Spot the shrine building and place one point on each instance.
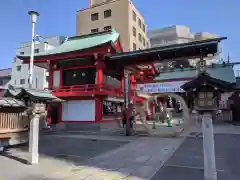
(87, 72)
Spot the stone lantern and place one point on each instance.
(205, 91)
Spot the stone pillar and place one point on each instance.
(34, 132)
(210, 172)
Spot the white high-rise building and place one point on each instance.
(20, 71)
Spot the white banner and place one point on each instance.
(174, 86)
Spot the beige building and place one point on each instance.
(121, 15)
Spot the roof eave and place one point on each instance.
(63, 53)
(168, 48)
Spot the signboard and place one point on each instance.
(174, 86)
(111, 107)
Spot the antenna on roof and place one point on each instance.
(228, 59)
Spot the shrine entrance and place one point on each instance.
(131, 62)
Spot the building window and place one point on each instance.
(134, 32)
(22, 81)
(139, 37)
(94, 30)
(144, 27)
(107, 13)
(134, 16)
(140, 23)
(94, 17)
(134, 46)
(47, 77)
(107, 28)
(15, 82)
(21, 53)
(36, 50)
(144, 41)
(1, 81)
(19, 68)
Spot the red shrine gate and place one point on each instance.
(88, 73)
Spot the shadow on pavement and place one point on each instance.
(58, 154)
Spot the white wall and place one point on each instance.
(39, 74)
(79, 110)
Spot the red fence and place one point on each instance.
(86, 89)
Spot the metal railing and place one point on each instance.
(89, 88)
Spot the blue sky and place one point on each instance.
(58, 17)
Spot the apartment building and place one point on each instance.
(20, 71)
(121, 15)
(179, 34)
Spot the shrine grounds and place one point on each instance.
(102, 157)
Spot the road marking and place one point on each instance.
(190, 167)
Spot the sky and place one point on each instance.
(58, 17)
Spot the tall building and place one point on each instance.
(179, 34)
(121, 15)
(20, 71)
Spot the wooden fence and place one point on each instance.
(13, 122)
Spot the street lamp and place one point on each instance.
(34, 16)
(34, 123)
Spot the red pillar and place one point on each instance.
(122, 82)
(132, 87)
(99, 76)
(98, 100)
(50, 77)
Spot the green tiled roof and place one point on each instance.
(81, 43)
(10, 102)
(34, 93)
(224, 73)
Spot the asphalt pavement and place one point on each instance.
(187, 161)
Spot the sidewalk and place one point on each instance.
(138, 160)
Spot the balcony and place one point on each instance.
(86, 90)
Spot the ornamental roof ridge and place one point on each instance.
(91, 35)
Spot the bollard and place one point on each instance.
(154, 125)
